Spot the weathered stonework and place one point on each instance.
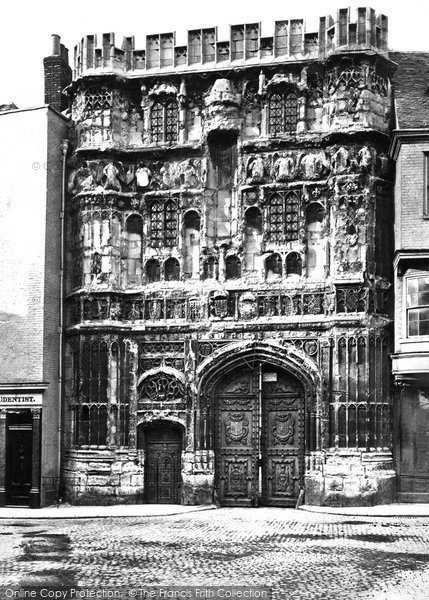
(227, 277)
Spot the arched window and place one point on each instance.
(293, 265)
(153, 271)
(283, 113)
(211, 268)
(164, 119)
(172, 269)
(233, 267)
(134, 232)
(192, 244)
(273, 267)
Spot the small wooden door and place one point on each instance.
(163, 465)
(19, 458)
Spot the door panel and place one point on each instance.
(283, 435)
(19, 455)
(236, 433)
(277, 416)
(163, 466)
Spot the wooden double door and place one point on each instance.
(260, 438)
(163, 464)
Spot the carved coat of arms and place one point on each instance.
(237, 428)
(283, 429)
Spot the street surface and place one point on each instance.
(299, 555)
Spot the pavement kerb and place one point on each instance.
(381, 510)
(98, 512)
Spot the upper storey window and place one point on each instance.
(283, 113)
(283, 216)
(164, 122)
(426, 184)
(163, 223)
(417, 306)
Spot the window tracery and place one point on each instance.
(283, 216)
(164, 119)
(162, 388)
(163, 223)
(282, 113)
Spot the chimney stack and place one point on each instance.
(58, 75)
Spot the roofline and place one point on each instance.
(406, 136)
(33, 108)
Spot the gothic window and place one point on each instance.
(291, 217)
(91, 414)
(172, 269)
(282, 113)
(153, 270)
(233, 267)
(163, 223)
(211, 268)
(134, 233)
(293, 265)
(283, 217)
(273, 267)
(359, 408)
(164, 121)
(276, 210)
(161, 388)
(170, 223)
(237, 43)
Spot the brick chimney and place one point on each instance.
(58, 75)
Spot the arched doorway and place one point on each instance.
(259, 437)
(163, 444)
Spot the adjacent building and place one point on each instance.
(410, 150)
(32, 162)
(229, 217)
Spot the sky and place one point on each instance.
(27, 27)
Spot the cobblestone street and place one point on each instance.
(298, 554)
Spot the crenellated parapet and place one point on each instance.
(248, 44)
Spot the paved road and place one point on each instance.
(299, 555)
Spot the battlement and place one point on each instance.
(352, 30)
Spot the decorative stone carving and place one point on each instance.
(284, 167)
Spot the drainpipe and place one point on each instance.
(64, 148)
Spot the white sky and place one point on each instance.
(27, 27)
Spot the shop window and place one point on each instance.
(417, 305)
(233, 267)
(164, 121)
(282, 113)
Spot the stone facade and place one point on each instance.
(228, 283)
